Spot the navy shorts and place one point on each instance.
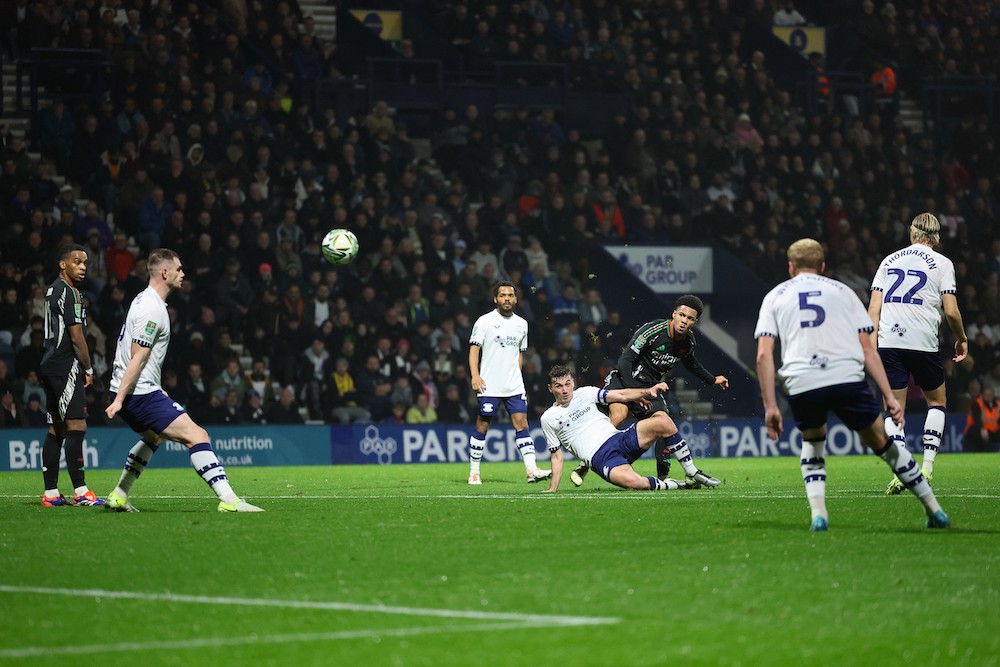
(65, 397)
(658, 404)
(927, 368)
(620, 449)
(154, 411)
(516, 405)
(853, 403)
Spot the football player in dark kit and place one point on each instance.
(647, 359)
(66, 372)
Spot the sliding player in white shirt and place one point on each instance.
(826, 347)
(575, 422)
(137, 395)
(909, 290)
(502, 336)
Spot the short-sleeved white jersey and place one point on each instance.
(912, 281)
(147, 324)
(818, 320)
(502, 340)
(578, 426)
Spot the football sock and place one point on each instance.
(204, 460)
(933, 430)
(526, 446)
(662, 454)
(477, 443)
(908, 472)
(74, 457)
(656, 484)
(892, 430)
(676, 446)
(814, 475)
(136, 461)
(51, 450)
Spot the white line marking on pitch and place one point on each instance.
(548, 619)
(610, 494)
(216, 642)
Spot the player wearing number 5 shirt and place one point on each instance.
(908, 292)
(826, 347)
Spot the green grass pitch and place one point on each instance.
(408, 565)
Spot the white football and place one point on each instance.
(340, 246)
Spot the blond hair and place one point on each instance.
(806, 254)
(925, 228)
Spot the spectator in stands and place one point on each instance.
(421, 412)
(284, 410)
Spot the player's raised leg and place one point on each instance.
(206, 463)
(901, 462)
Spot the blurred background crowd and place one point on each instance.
(205, 143)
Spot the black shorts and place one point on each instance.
(853, 403)
(658, 404)
(64, 396)
(927, 368)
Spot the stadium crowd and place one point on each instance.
(206, 144)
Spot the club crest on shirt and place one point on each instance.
(150, 327)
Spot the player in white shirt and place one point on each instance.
(575, 422)
(136, 393)
(908, 292)
(501, 336)
(826, 347)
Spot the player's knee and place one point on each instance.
(665, 426)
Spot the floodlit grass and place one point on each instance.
(408, 565)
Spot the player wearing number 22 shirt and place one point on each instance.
(909, 291)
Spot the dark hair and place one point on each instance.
(64, 252)
(559, 371)
(691, 301)
(503, 283)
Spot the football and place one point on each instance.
(340, 246)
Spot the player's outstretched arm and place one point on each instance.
(557, 468)
(635, 394)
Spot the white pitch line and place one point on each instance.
(217, 642)
(610, 494)
(549, 619)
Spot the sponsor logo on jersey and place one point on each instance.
(150, 327)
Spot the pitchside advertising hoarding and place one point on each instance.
(380, 444)
(666, 269)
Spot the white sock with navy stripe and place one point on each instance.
(526, 446)
(679, 449)
(477, 443)
(933, 430)
(908, 472)
(204, 460)
(814, 475)
(136, 461)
